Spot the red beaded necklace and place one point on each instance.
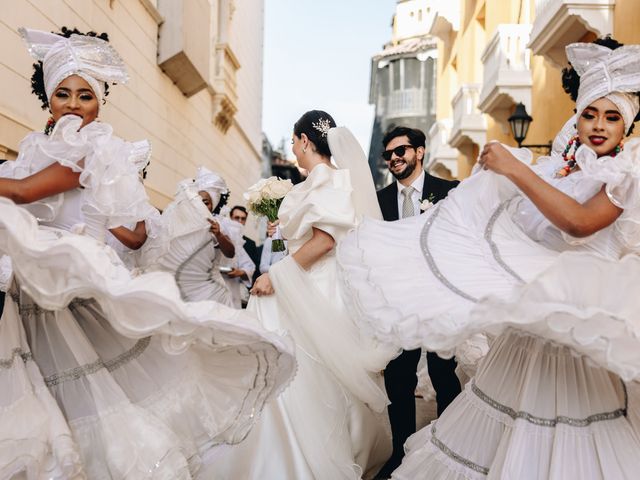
(569, 155)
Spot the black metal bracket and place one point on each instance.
(545, 146)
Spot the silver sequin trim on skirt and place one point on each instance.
(488, 234)
(550, 422)
(111, 365)
(16, 352)
(424, 245)
(453, 455)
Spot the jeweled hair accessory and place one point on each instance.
(91, 58)
(613, 74)
(323, 126)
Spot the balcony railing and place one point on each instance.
(561, 22)
(469, 124)
(507, 73)
(402, 103)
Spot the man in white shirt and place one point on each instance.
(240, 278)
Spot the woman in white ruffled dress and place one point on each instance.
(197, 241)
(327, 424)
(536, 257)
(104, 375)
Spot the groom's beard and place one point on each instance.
(408, 170)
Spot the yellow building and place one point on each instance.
(494, 54)
(195, 88)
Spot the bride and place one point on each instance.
(538, 257)
(103, 375)
(327, 424)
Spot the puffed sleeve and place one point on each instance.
(621, 177)
(322, 201)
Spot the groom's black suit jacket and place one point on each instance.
(434, 188)
(400, 375)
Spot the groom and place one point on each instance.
(404, 150)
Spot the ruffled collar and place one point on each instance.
(607, 169)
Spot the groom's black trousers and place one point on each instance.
(400, 381)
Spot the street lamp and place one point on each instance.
(519, 122)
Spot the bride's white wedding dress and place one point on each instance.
(319, 427)
(548, 401)
(103, 375)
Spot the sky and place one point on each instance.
(317, 55)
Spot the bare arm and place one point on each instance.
(226, 245)
(49, 181)
(134, 239)
(572, 217)
(314, 249)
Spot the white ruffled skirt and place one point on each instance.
(106, 376)
(478, 272)
(548, 401)
(536, 410)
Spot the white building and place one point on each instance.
(403, 80)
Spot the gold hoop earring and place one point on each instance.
(304, 149)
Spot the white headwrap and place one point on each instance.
(212, 183)
(606, 73)
(91, 58)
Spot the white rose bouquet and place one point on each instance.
(264, 199)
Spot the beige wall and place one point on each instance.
(180, 129)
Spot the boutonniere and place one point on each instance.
(427, 203)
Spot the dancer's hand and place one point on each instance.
(498, 159)
(226, 246)
(237, 273)
(215, 227)
(262, 286)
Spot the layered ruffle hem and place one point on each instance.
(535, 411)
(107, 376)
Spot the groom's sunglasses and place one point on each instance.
(399, 151)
